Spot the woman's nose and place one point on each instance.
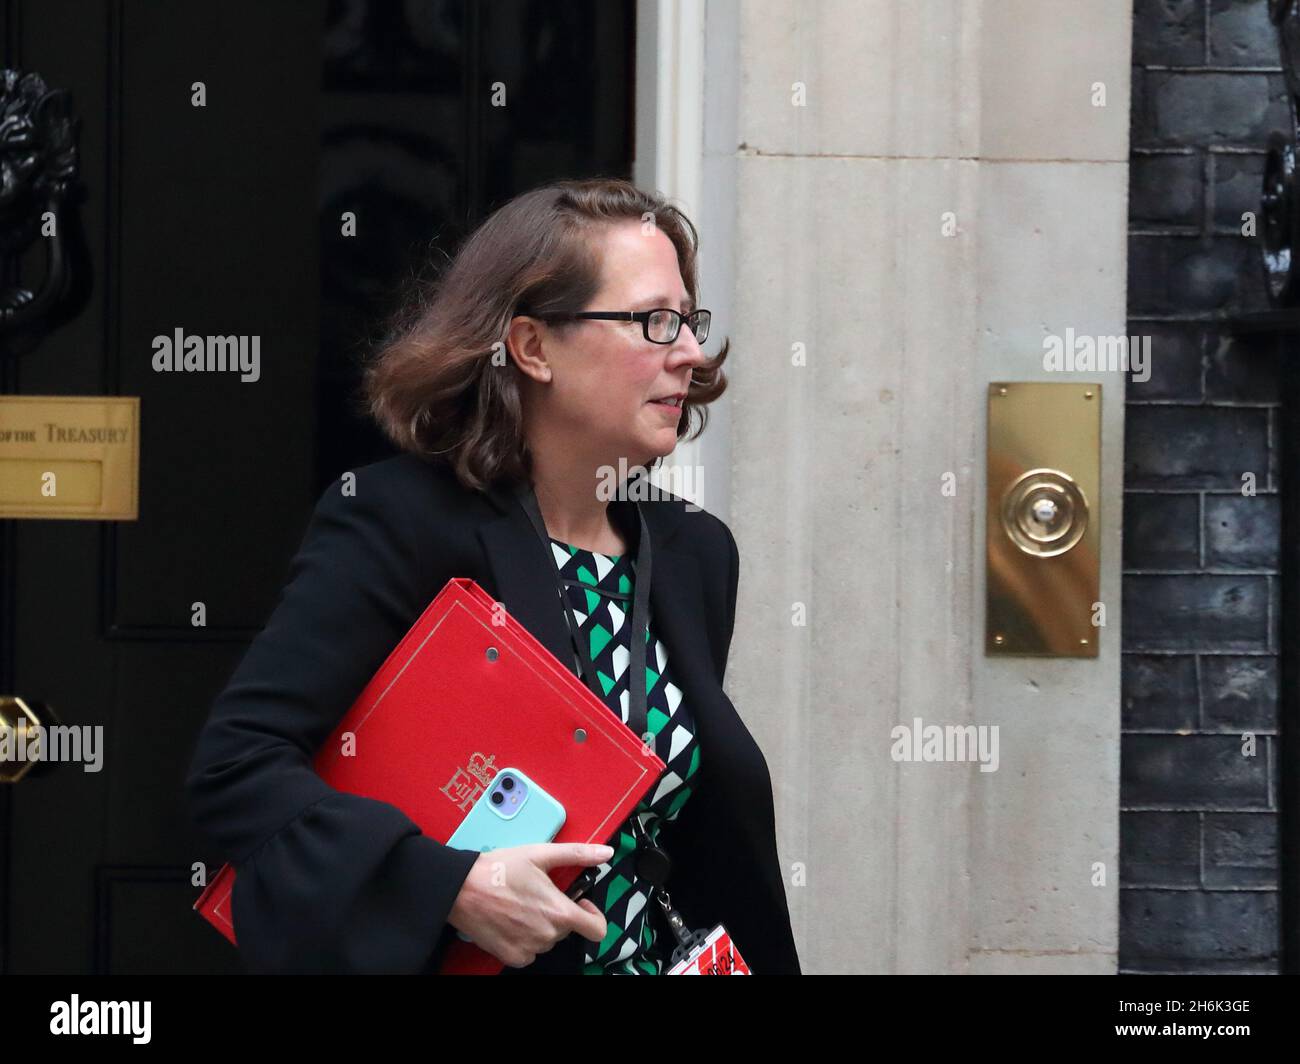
(686, 349)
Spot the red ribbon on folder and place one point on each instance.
(466, 692)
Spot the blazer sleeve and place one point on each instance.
(325, 881)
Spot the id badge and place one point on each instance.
(716, 955)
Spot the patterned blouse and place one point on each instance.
(600, 591)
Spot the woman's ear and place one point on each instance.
(524, 342)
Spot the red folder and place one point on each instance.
(469, 691)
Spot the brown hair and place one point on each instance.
(432, 386)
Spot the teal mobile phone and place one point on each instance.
(514, 811)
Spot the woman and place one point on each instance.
(490, 385)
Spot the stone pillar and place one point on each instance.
(921, 194)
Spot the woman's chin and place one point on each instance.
(651, 447)
(661, 451)
(665, 443)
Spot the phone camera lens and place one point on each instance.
(508, 783)
(497, 798)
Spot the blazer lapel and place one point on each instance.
(524, 572)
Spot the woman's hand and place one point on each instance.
(510, 908)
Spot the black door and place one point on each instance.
(266, 169)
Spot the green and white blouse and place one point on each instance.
(600, 589)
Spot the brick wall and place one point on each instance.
(1198, 821)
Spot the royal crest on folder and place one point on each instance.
(467, 784)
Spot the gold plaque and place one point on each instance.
(1042, 520)
(70, 456)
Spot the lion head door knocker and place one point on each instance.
(38, 175)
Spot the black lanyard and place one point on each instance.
(639, 618)
(653, 863)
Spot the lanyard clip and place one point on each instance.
(687, 941)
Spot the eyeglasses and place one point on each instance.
(659, 326)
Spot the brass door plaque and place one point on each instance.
(70, 457)
(1043, 578)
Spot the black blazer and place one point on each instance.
(333, 882)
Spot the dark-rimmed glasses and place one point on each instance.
(659, 326)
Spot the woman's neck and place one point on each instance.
(572, 510)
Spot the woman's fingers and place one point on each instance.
(548, 855)
(589, 921)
